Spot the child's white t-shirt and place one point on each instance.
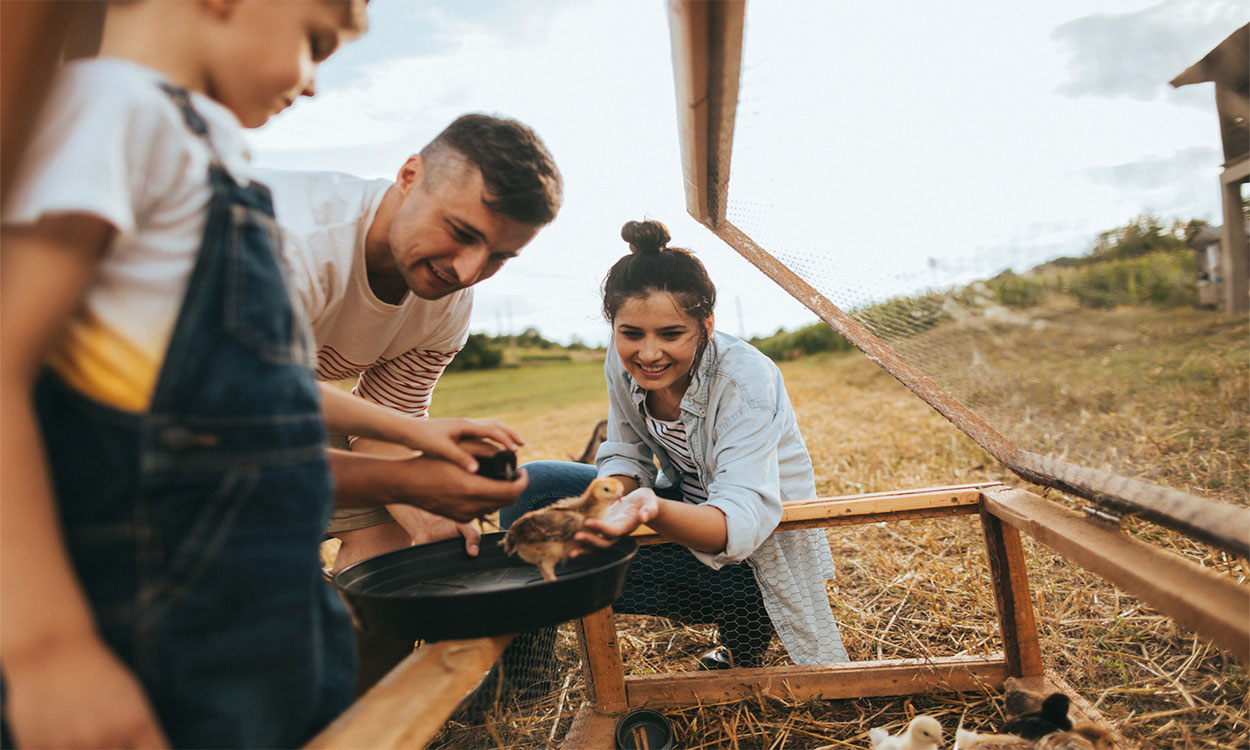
(111, 144)
(398, 351)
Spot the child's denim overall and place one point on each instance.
(194, 527)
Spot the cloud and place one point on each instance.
(1134, 55)
(1182, 185)
(1156, 172)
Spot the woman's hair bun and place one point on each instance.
(645, 236)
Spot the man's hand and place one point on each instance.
(452, 439)
(423, 526)
(78, 694)
(438, 486)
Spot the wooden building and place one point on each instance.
(1228, 67)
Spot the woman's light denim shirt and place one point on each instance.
(745, 442)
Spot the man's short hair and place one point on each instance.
(519, 174)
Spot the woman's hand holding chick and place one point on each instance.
(621, 518)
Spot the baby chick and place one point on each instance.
(966, 740)
(1019, 700)
(922, 733)
(1052, 717)
(1081, 737)
(544, 537)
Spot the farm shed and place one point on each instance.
(1228, 67)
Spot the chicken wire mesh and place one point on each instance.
(1109, 368)
(692, 616)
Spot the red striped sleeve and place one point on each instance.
(406, 382)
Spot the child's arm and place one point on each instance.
(64, 687)
(350, 415)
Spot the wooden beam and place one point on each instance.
(725, 19)
(1238, 171)
(1202, 600)
(688, 31)
(825, 681)
(706, 37)
(591, 729)
(409, 706)
(845, 510)
(1011, 595)
(601, 652)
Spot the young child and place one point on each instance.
(713, 410)
(166, 481)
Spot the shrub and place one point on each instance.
(477, 354)
(811, 339)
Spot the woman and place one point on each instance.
(713, 411)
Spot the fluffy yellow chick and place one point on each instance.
(544, 537)
(923, 733)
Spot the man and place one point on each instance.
(385, 271)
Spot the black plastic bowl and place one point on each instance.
(644, 729)
(437, 592)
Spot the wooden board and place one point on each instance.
(409, 706)
(902, 505)
(951, 674)
(1202, 600)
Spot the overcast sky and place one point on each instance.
(892, 146)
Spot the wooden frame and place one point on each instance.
(1212, 605)
(1021, 655)
(409, 706)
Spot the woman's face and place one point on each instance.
(657, 342)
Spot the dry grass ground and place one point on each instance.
(921, 588)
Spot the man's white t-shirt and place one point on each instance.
(111, 144)
(398, 351)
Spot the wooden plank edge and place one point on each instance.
(955, 674)
(688, 33)
(1206, 602)
(590, 729)
(408, 707)
(878, 506)
(828, 523)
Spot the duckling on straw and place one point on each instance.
(923, 733)
(1053, 717)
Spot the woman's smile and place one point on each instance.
(658, 343)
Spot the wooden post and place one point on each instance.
(605, 672)
(1011, 594)
(1234, 249)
